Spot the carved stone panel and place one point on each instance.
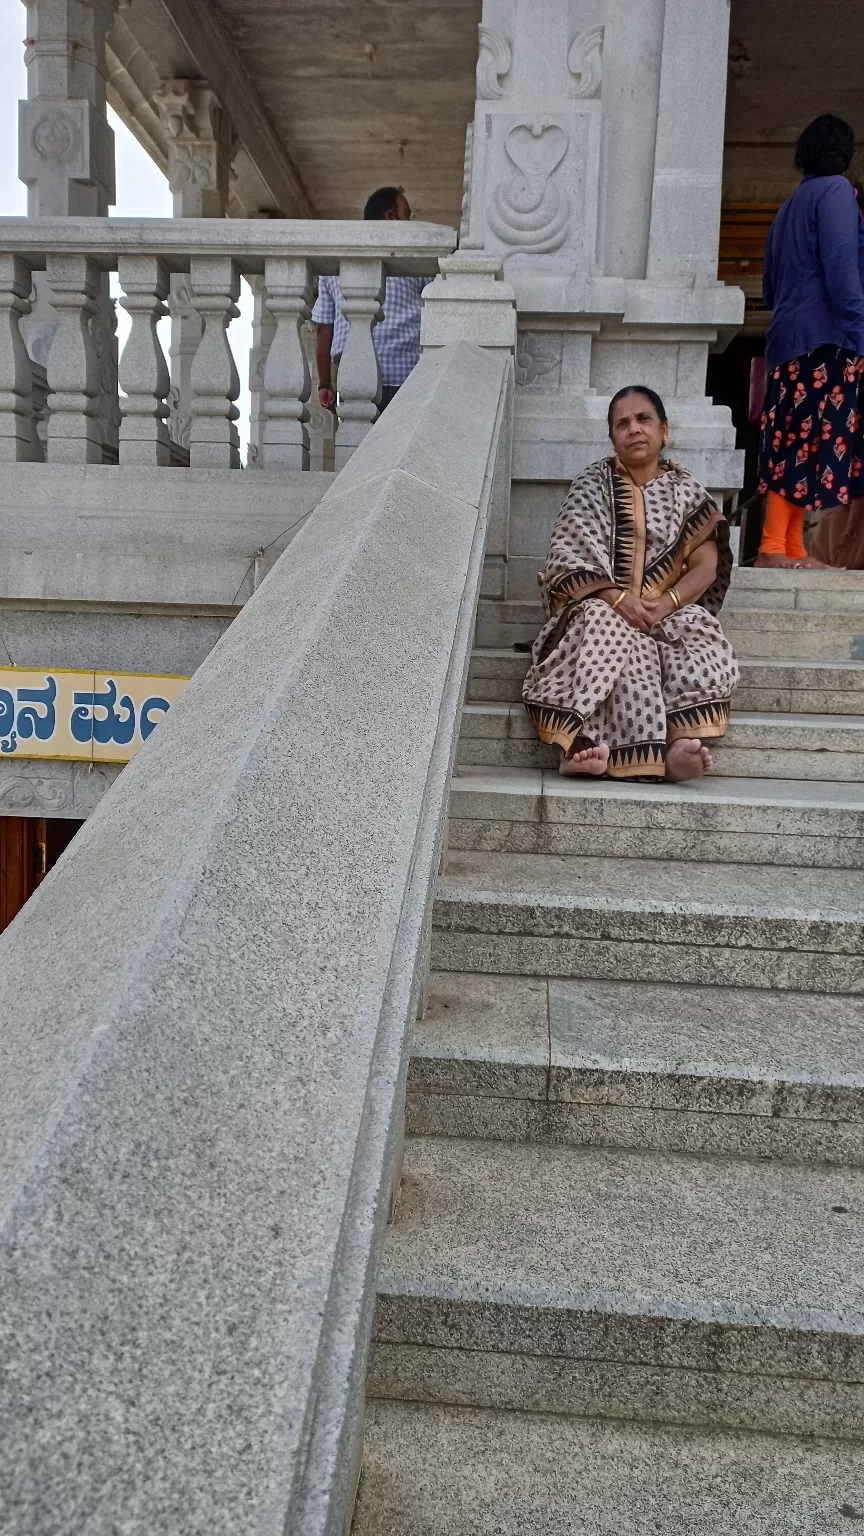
(538, 360)
(46, 792)
(530, 208)
(540, 185)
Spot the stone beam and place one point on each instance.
(206, 1018)
(204, 35)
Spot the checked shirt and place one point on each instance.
(396, 337)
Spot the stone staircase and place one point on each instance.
(624, 1287)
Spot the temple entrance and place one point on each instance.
(29, 847)
(775, 88)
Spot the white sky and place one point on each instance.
(142, 190)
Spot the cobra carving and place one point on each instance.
(585, 61)
(494, 60)
(528, 210)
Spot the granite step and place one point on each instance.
(624, 919)
(430, 1470)
(804, 591)
(732, 1073)
(783, 686)
(761, 632)
(754, 631)
(603, 1282)
(762, 746)
(716, 819)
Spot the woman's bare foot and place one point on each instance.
(687, 759)
(810, 564)
(777, 563)
(594, 761)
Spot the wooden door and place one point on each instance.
(22, 862)
(29, 847)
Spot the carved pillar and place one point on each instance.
(533, 179)
(66, 160)
(143, 369)
(201, 145)
(73, 371)
(213, 439)
(688, 160)
(17, 423)
(288, 289)
(362, 285)
(592, 171)
(65, 146)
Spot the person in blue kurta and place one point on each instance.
(812, 445)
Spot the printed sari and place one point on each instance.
(594, 678)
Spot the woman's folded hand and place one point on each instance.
(634, 612)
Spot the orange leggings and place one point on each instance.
(783, 533)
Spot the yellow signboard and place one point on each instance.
(96, 717)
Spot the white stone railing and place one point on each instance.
(206, 1015)
(282, 257)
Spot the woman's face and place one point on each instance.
(638, 434)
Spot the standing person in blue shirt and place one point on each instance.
(396, 337)
(812, 448)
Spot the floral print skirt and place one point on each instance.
(812, 447)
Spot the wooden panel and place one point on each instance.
(743, 231)
(21, 847)
(29, 847)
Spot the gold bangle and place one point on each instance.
(619, 599)
(675, 598)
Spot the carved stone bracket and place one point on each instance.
(585, 62)
(494, 60)
(201, 145)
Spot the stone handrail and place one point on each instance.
(152, 258)
(205, 1017)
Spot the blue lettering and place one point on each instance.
(148, 724)
(85, 726)
(8, 739)
(30, 722)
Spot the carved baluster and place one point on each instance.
(286, 372)
(40, 412)
(213, 439)
(186, 329)
(362, 284)
(263, 331)
(322, 423)
(143, 369)
(17, 426)
(73, 366)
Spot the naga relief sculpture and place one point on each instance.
(528, 210)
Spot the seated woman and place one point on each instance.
(632, 670)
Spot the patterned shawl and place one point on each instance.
(600, 538)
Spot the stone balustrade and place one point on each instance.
(282, 257)
(206, 1014)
